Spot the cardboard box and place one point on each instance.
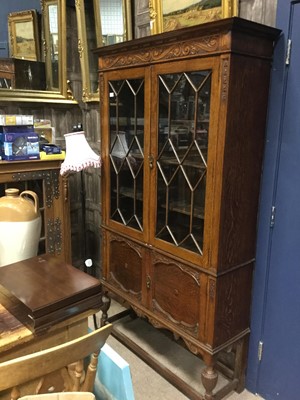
(20, 146)
(42, 123)
(46, 133)
(14, 124)
(16, 119)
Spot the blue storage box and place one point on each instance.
(20, 146)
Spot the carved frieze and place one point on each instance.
(191, 48)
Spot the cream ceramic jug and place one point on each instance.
(20, 226)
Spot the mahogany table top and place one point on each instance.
(12, 331)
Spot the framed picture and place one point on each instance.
(168, 15)
(24, 35)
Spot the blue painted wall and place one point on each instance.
(270, 171)
(6, 8)
(276, 301)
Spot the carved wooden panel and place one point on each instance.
(175, 288)
(125, 265)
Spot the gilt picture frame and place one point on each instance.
(23, 33)
(168, 15)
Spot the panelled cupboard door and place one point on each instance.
(124, 266)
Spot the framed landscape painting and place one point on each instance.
(168, 15)
(24, 35)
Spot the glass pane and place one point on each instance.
(184, 106)
(112, 21)
(127, 151)
(53, 45)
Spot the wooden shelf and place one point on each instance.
(191, 163)
(182, 208)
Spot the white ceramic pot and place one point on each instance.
(20, 226)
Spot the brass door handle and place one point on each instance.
(148, 282)
(151, 161)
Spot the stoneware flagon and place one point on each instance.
(20, 226)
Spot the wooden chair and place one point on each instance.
(67, 358)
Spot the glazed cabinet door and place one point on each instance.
(183, 141)
(125, 146)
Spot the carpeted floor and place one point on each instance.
(148, 384)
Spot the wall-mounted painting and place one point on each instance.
(24, 35)
(167, 15)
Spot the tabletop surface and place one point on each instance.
(12, 331)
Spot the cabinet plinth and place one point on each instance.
(182, 121)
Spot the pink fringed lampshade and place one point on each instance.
(79, 154)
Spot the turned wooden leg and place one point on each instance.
(15, 393)
(104, 308)
(209, 377)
